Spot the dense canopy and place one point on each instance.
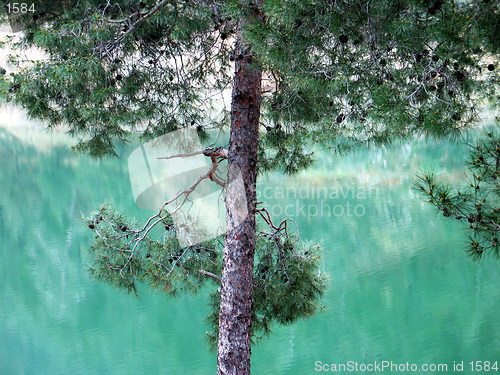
(338, 72)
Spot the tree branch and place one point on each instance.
(107, 48)
(182, 155)
(212, 175)
(203, 272)
(213, 153)
(219, 152)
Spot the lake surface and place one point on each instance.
(401, 287)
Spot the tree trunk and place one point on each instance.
(237, 284)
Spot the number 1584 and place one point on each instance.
(20, 8)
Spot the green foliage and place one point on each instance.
(4, 85)
(477, 204)
(281, 150)
(349, 73)
(288, 284)
(338, 73)
(109, 75)
(287, 279)
(126, 254)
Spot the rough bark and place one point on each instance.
(237, 286)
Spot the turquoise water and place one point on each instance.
(401, 288)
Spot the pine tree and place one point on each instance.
(339, 73)
(478, 204)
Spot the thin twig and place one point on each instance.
(203, 272)
(186, 155)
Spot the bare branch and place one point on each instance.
(219, 152)
(203, 272)
(264, 213)
(212, 175)
(140, 234)
(182, 155)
